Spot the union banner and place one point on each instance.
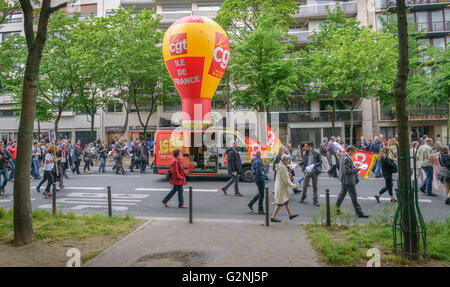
(365, 161)
(273, 142)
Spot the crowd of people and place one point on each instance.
(58, 159)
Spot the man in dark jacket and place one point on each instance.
(76, 158)
(312, 167)
(63, 157)
(260, 177)
(5, 158)
(348, 175)
(362, 144)
(332, 157)
(143, 156)
(234, 169)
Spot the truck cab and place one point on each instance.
(203, 150)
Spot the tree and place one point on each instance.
(134, 64)
(23, 227)
(262, 66)
(409, 224)
(237, 16)
(7, 7)
(60, 71)
(350, 62)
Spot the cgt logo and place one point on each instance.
(221, 56)
(178, 44)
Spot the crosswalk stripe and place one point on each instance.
(168, 189)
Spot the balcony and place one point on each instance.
(390, 5)
(302, 36)
(206, 13)
(319, 116)
(417, 114)
(140, 4)
(319, 11)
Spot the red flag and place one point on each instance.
(365, 161)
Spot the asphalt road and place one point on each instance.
(141, 195)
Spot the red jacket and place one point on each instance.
(178, 176)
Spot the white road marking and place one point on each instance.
(169, 189)
(104, 195)
(373, 198)
(78, 207)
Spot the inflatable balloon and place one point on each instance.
(196, 52)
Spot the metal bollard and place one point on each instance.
(327, 194)
(190, 204)
(267, 205)
(54, 199)
(109, 202)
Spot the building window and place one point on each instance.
(4, 35)
(422, 21)
(439, 42)
(114, 108)
(209, 6)
(176, 8)
(437, 18)
(8, 113)
(172, 107)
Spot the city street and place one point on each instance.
(141, 194)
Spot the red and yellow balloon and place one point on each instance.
(196, 51)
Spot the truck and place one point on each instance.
(203, 150)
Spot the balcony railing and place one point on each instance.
(417, 114)
(319, 10)
(302, 36)
(439, 26)
(319, 116)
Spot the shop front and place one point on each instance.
(112, 133)
(137, 132)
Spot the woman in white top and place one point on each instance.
(49, 164)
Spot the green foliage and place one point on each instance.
(346, 245)
(240, 16)
(262, 65)
(349, 61)
(68, 226)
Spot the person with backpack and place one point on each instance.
(143, 157)
(388, 167)
(177, 180)
(260, 178)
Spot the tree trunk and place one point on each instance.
(39, 130)
(351, 125)
(333, 117)
(92, 126)
(58, 118)
(410, 246)
(23, 225)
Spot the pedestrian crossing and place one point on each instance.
(95, 200)
(371, 198)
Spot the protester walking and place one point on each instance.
(376, 148)
(35, 162)
(102, 151)
(332, 157)
(444, 172)
(63, 160)
(12, 164)
(282, 188)
(260, 178)
(5, 159)
(234, 169)
(143, 157)
(362, 144)
(87, 158)
(49, 165)
(312, 167)
(134, 155)
(388, 168)
(324, 154)
(425, 155)
(177, 180)
(348, 175)
(76, 158)
(119, 150)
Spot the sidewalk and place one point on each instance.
(174, 242)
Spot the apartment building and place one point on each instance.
(299, 121)
(432, 17)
